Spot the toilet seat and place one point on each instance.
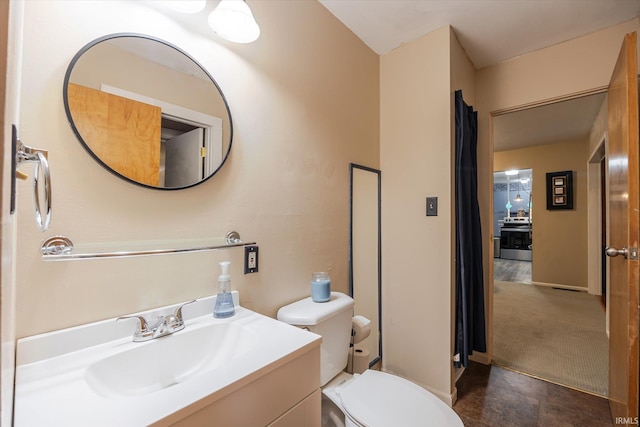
(376, 398)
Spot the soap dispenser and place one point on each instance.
(224, 301)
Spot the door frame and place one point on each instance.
(594, 212)
(11, 27)
(488, 265)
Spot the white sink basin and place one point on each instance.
(172, 359)
(96, 375)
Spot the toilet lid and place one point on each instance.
(379, 399)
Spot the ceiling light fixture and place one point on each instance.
(232, 20)
(518, 197)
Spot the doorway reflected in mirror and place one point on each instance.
(147, 111)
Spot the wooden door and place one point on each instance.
(124, 134)
(623, 207)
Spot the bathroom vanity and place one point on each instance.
(214, 371)
(256, 403)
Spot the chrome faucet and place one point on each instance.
(164, 325)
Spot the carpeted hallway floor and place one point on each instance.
(552, 334)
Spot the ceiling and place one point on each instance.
(558, 122)
(525, 176)
(492, 31)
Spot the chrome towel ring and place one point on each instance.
(25, 153)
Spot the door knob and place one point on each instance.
(613, 252)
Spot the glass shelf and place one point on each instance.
(60, 248)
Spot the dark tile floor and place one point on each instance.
(489, 396)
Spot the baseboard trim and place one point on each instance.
(480, 358)
(556, 285)
(448, 398)
(454, 396)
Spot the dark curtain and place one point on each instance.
(470, 323)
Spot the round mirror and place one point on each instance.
(147, 111)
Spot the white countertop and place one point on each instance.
(51, 389)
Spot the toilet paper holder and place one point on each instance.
(360, 329)
(358, 360)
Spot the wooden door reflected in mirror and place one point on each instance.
(134, 102)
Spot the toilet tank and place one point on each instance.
(331, 320)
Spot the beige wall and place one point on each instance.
(577, 66)
(559, 237)
(599, 127)
(113, 66)
(417, 82)
(307, 99)
(304, 100)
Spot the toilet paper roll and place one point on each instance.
(360, 360)
(361, 328)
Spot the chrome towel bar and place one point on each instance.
(60, 248)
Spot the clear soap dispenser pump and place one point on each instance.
(224, 301)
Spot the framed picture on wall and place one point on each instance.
(560, 190)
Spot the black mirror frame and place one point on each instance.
(65, 84)
(377, 172)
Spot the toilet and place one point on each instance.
(373, 398)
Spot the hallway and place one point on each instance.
(508, 270)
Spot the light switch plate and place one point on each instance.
(432, 206)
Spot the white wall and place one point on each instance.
(304, 100)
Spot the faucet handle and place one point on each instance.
(141, 326)
(178, 312)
